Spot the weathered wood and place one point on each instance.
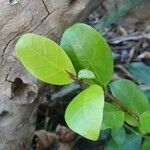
(20, 92)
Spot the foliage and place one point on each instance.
(44, 59)
(127, 92)
(86, 109)
(87, 51)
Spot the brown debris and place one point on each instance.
(45, 139)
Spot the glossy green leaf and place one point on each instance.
(86, 74)
(85, 112)
(146, 144)
(145, 122)
(132, 142)
(140, 71)
(44, 59)
(130, 95)
(111, 116)
(119, 136)
(88, 49)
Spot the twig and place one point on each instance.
(128, 38)
(132, 51)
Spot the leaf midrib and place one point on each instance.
(90, 63)
(48, 62)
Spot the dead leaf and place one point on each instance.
(64, 146)
(121, 31)
(45, 139)
(65, 134)
(145, 55)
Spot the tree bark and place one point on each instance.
(20, 93)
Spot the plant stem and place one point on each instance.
(111, 97)
(122, 106)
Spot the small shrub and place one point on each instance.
(84, 56)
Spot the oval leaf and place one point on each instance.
(88, 49)
(44, 59)
(85, 112)
(86, 74)
(130, 95)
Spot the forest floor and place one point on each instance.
(131, 51)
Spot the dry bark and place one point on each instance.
(20, 92)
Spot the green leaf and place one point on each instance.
(111, 116)
(131, 121)
(130, 95)
(146, 144)
(86, 74)
(88, 49)
(147, 93)
(119, 136)
(140, 71)
(44, 59)
(85, 112)
(145, 122)
(112, 145)
(132, 142)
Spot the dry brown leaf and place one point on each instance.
(65, 134)
(45, 139)
(121, 31)
(64, 146)
(145, 55)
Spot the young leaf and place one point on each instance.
(88, 49)
(145, 122)
(44, 59)
(85, 112)
(86, 74)
(130, 95)
(113, 117)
